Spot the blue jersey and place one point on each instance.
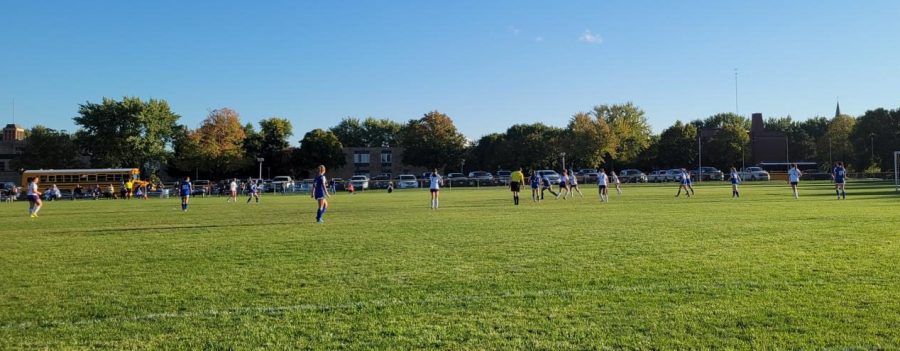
(535, 182)
(546, 181)
(735, 178)
(319, 187)
(839, 174)
(185, 188)
(253, 188)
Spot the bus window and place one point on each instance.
(91, 178)
(101, 177)
(43, 179)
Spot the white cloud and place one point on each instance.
(539, 39)
(514, 30)
(590, 38)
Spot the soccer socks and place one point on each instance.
(844, 194)
(319, 214)
(838, 193)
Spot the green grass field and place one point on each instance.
(645, 271)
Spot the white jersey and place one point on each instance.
(602, 179)
(435, 181)
(794, 175)
(615, 178)
(233, 186)
(573, 180)
(32, 188)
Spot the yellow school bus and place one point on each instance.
(66, 179)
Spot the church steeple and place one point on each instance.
(837, 111)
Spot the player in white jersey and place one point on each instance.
(233, 188)
(735, 180)
(564, 186)
(602, 184)
(573, 184)
(435, 181)
(684, 183)
(794, 175)
(615, 180)
(34, 197)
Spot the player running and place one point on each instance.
(564, 185)
(573, 184)
(735, 180)
(233, 186)
(516, 179)
(794, 175)
(34, 197)
(320, 193)
(548, 186)
(253, 192)
(684, 183)
(185, 188)
(839, 174)
(435, 182)
(614, 178)
(602, 184)
(535, 187)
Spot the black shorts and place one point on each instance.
(602, 187)
(795, 183)
(435, 190)
(515, 186)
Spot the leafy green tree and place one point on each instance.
(127, 133)
(533, 145)
(381, 132)
(47, 148)
(350, 132)
(720, 120)
(319, 147)
(432, 141)
(274, 145)
(678, 146)
(875, 137)
(630, 131)
(730, 146)
(589, 140)
(837, 136)
(489, 152)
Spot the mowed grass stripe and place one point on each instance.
(645, 271)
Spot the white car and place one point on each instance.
(283, 182)
(550, 174)
(407, 181)
(754, 173)
(360, 182)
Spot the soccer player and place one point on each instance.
(232, 186)
(320, 193)
(573, 184)
(690, 183)
(602, 183)
(186, 188)
(254, 191)
(564, 185)
(735, 180)
(535, 186)
(684, 183)
(547, 185)
(435, 181)
(34, 197)
(794, 175)
(839, 174)
(615, 180)
(516, 179)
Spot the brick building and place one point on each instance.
(13, 139)
(374, 161)
(766, 145)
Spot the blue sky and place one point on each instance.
(488, 64)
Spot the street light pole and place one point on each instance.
(699, 159)
(872, 148)
(260, 160)
(787, 150)
(563, 155)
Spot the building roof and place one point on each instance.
(11, 125)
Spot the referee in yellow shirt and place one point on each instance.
(516, 179)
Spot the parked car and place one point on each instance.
(283, 182)
(754, 173)
(503, 176)
(657, 176)
(632, 176)
(708, 173)
(550, 174)
(201, 187)
(407, 181)
(481, 177)
(673, 175)
(360, 182)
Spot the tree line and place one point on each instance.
(146, 134)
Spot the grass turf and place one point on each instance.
(644, 271)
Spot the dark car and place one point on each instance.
(632, 176)
(708, 173)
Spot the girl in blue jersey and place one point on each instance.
(735, 180)
(602, 185)
(34, 197)
(548, 186)
(794, 175)
(435, 181)
(253, 192)
(839, 174)
(320, 193)
(185, 188)
(564, 186)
